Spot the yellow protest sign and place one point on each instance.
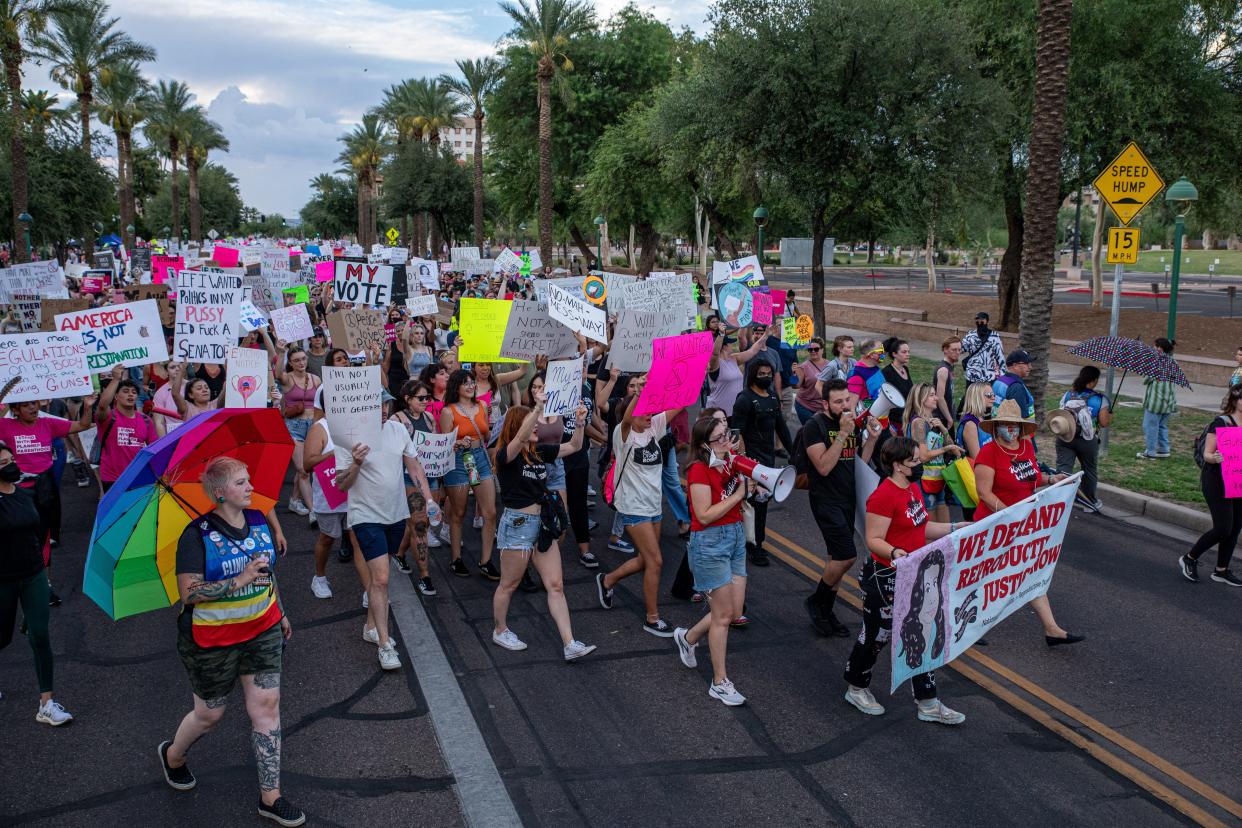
(482, 330)
(805, 328)
(1123, 245)
(1129, 183)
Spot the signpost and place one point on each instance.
(1127, 185)
(392, 235)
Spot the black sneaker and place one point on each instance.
(527, 584)
(425, 587)
(53, 600)
(282, 812)
(1190, 568)
(605, 595)
(1226, 577)
(458, 568)
(345, 555)
(489, 571)
(402, 565)
(838, 629)
(589, 560)
(179, 778)
(659, 628)
(818, 620)
(84, 478)
(759, 557)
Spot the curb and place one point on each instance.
(1148, 506)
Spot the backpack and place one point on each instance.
(1082, 414)
(1000, 387)
(1201, 440)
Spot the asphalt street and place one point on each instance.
(1135, 726)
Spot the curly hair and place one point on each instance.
(913, 643)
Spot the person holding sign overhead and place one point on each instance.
(1226, 511)
(297, 387)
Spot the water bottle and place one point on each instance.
(433, 513)
(472, 471)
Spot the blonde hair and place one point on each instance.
(914, 403)
(218, 473)
(975, 403)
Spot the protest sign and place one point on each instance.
(257, 290)
(563, 385)
(462, 255)
(435, 452)
(29, 311)
(955, 589)
(1229, 444)
(678, 366)
(140, 260)
(426, 272)
(400, 285)
(160, 294)
(533, 259)
(246, 386)
(324, 271)
(208, 312)
(226, 256)
(422, 305)
(531, 333)
(735, 303)
(51, 365)
(351, 404)
(50, 308)
(482, 327)
(789, 331)
(398, 255)
(676, 291)
(507, 262)
(577, 315)
(252, 319)
(292, 323)
(356, 329)
(44, 278)
(778, 301)
(104, 260)
(128, 334)
(298, 294)
(761, 309)
(93, 282)
(161, 264)
(745, 269)
(364, 284)
(325, 473)
(277, 259)
(445, 268)
(633, 334)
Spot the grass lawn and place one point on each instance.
(1193, 261)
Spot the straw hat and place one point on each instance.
(1008, 414)
(1062, 423)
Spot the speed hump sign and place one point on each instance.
(1123, 245)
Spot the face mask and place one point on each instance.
(763, 382)
(10, 473)
(717, 462)
(1008, 433)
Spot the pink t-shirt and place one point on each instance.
(32, 444)
(126, 438)
(165, 407)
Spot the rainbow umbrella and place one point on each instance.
(131, 565)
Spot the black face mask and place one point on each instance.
(10, 473)
(763, 382)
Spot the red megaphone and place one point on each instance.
(779, 482)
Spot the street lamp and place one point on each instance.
(761, 219)
(600, 221)
(522, 227)
(1182, 194)
(26, 219)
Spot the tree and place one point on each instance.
(168, 117)
(476, 82)
(426, 178)
(332, 210)
(437, 109)
(364, 151)
(81, 48)
(219, 198)
(548, 29)
(121, 106)
(202, 137)
(40, 110)
(1043, 186)
(400, 110)
(20, 20)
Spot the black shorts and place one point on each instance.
(836, 524)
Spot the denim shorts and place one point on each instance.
(517, 530)
(631, 520)
(556, 475)
(459, 477)
(298, 427)
(433, 483)
(717, 554)
(933, 499)
(376, 539)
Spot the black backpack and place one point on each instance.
(1201, 440)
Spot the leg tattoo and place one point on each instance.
(267, 681)
(420, 549)
(215, 704)
(267, 758)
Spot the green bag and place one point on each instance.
(962, 489)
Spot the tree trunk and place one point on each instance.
(405, 233)
(1097, 273)
(584, 246)
(649, 238)
(125, 205)
(931, 258)
(363, 191)
(633, 253)
(173, 151)
(478, 179)
(196, 212)
(707, 227)
(1043, 186)
(819, 232)
(84, 112)
(1011, 261)
(12, 51)
(545, 157)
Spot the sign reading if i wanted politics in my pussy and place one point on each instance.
(208, 316)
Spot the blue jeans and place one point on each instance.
(673, 492)
(1156, 430)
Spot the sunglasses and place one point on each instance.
(812, 350)
(421, 397)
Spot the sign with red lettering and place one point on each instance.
(362, 284)
(208, 319)
(50, 365)
(952, 591)
(128, 334)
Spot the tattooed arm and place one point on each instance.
(195, 589)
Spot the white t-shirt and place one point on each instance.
(638, 484)
(378, 494)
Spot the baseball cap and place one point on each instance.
(1018, 356)
(982, 315)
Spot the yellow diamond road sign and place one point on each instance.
(392, 235)
(1129, 183)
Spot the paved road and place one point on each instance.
(628, 736)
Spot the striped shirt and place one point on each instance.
(1160, 398)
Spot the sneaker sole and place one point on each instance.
(938, 720)
(590, 649)
(39, 717)
(589, 564)
(728, 702)
(1186, 573)
(686, 653)
(1223, 581)
(180, 786)
(604, 602)
(621, 549)
(288, 823)
(876, 711)
(396, 666)
(657, 633)
(516, 649)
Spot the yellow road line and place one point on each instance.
(1156, 788)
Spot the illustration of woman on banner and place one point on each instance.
(925, 619)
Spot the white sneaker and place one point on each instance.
(591, 491)
(320, 586)
(371, 635)
(861, 698)
(936, 711)
(684, 648)
(312, 520)
(388, 659)
(298, 508)
(50, 712)
(366, 601)
(433, 540)
(576, 649)
(478, 522)
(727, 693)
(445, 534)
(509, 640)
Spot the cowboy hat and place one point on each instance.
(1062, 423)
(1008, 414)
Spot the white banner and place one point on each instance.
(292, 323)
(633, 334)
(363, 284)
(129, 334)
(246, 383)
(563, 386)
(577, 315)
(208, 314)
(51, 365)
(435, 452)
(426, 272)
(36, 278)
(422, 305)
(351, 402)
(670, 293)
(251, 317)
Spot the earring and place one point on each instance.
(219, 500)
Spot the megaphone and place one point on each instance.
(885, 401)
(779, 482)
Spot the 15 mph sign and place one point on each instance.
(1129, 183)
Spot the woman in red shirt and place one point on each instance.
(1007, 472)
(717, 550)
(897, 524)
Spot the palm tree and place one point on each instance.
(19, 20)
(81, 49)
(548, 29)
(40, 110)
(438, 109)
(364, 151)
(203, 137)
(400, 111)
(1043, 187)
(168, 116)
(120, 105)
(476, 82)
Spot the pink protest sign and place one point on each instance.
(778, 302)
(324, 271)
(118, 296)
(92, 284)
(390, 332)
(761, 308)
(160, 265)
(325, 473)
(226, 256)
(678, 366)
(1229, 444)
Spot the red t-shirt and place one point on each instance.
(1017, 475)
(908, 516)
(32, 444)
(722, 487)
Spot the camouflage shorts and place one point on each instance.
(213, 671)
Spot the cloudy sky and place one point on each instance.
(286, 78)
